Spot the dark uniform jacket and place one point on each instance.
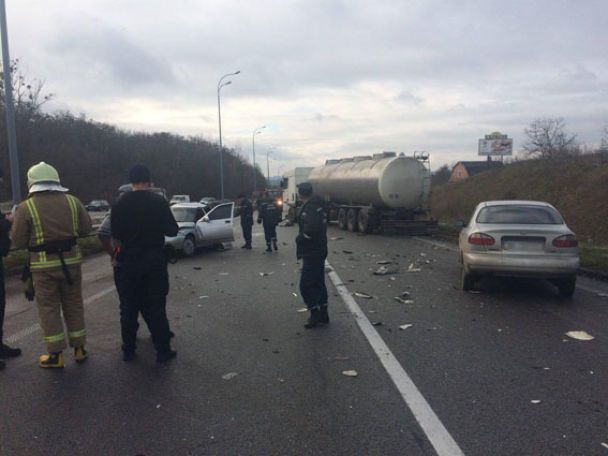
(246, 212)
(269, 212)
(312, 240)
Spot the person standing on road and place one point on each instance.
(311, 248)
(140, 221)
(48, 223)
(5, 244)
(269, 213)
(246, 213)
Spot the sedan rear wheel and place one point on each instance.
(566, 286)
(467, 280)
(189, 246)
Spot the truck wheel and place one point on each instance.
(365, 221)
(342, 219)
(351, 220)
(189, 246)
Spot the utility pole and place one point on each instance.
(256, 131)
(219, 119)
(10, 109)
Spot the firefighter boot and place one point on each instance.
(162, 356)
(268, 249)
(274, 245)
(80, 354)
(51, 361)
(8, 352)
(314, 320)
(324, 318)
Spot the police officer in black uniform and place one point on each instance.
(246, 213)
(311, 246)
(270, 214)
(140, 221)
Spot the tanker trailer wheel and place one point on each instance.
(365, 221)
(342, 219)
(351, 220)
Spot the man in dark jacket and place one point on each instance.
(5, 243)
(140, 221)
(311, 248)
(246, 213)
(269, 213)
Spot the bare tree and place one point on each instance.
(547, 138)
(604, 143)
(27, 93)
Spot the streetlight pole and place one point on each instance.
(267, 167)
(219, 119)
(256, 131)
(10, 109)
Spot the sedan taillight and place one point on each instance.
(565, 242)
(481, 239)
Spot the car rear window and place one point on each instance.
(519, 215)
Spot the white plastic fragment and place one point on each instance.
(303, 309)
(605, 445)
(157, 406)
(294, 294)
(411, 268)
(358, 294)
(404, 327)
(203, 297)
(579, 335)
(535, 401)
(350, 373)
(264, 274)
(403, 301)
(384, 262)
(229, 375)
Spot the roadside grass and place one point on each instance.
(88, 245)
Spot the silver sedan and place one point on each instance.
(519, 239)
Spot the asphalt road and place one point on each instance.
(477, 359)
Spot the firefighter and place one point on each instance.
(48, 224)
(270, 214)
(140, 221)
(311, 248)
(246, 213)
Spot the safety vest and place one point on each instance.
(39, 258)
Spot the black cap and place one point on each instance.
(305, 189)
(139, 174)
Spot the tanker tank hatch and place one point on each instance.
(385, 154)
(362, 158)
(332, 161)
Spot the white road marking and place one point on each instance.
(455, 249)
(36, 327)
(434, 429)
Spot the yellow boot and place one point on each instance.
(80, 354)
(51, 361)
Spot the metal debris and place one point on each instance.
(229, 375)
(203, 297)
(579, 335)
(358, 294)
(294, 294)
(403, 301)
(404, 327)
(411, 268)
(348, 252)
(605, 445)
(383, 270)
(384, 262)
(377, 323)
(197, 268)
(264, 274)
(350, 373)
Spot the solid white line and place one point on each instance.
(434, 429)
(36, 327)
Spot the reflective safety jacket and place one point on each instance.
(46, 220)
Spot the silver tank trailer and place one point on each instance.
(382, 181)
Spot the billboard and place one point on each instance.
(496, 144)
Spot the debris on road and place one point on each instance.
(579, 335)
(605, 445)
(264, 274)
(224, 273)
(383, 270)
(294, 294)
(336, 238)
(197, 268)
(203, 297)
(157, 406)
(229, 375)
(350, 373)
(535, 401)
(403, 301)
(377, 323)
(340, 358)
(411, 268)
(348, 252)
(302, 310)
(422, 254)
(384, 262)
(404, 327)
(358, 294)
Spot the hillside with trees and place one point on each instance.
(93, 158)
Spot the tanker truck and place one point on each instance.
(379, 192)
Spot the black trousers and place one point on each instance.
(143, 284)
(270, 232)
(312, 282)
(2, 300)
(246, 232)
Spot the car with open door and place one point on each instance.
(200, 226)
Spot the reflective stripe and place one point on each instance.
(42, 264)
(56, 338)
(35, 221)
(75, 334)
(74, 210)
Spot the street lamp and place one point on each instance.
(268, 166)
(256, 131)
(219, 118)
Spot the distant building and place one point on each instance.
(465, 169)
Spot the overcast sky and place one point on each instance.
(329, 78)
